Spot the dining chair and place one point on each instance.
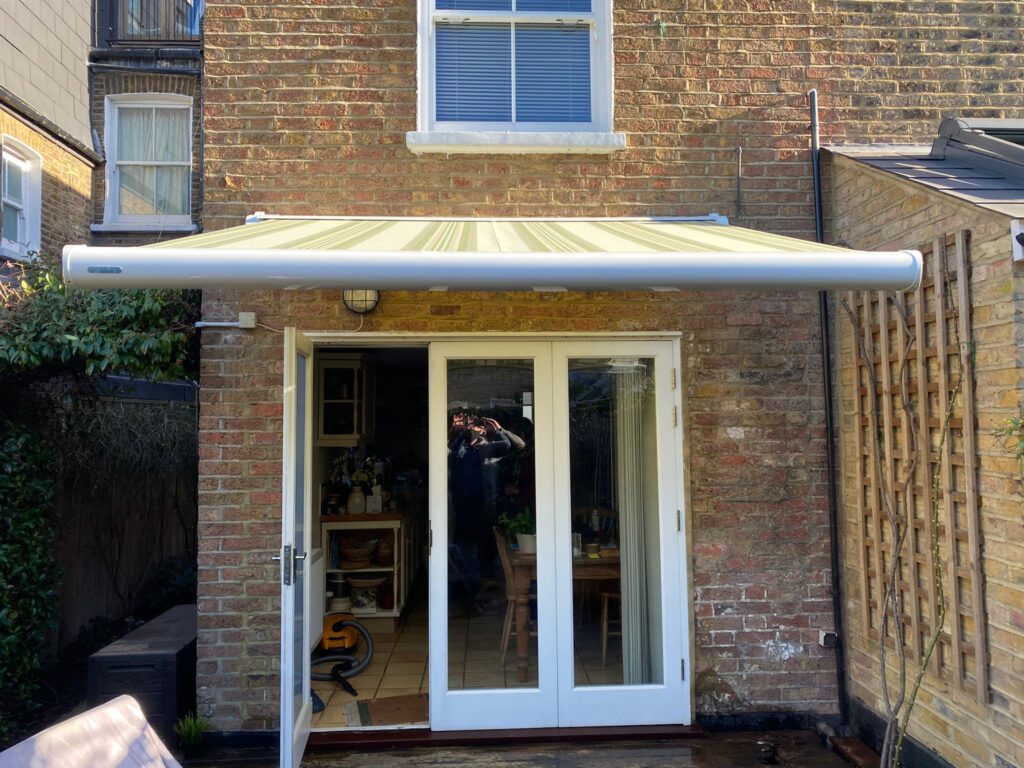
(510, 595)
(606, 620)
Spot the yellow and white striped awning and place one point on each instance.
(489, 254)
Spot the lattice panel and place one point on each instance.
(918, 344)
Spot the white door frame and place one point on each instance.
(500, 708)
(663, 703)
(498, 340)
(566, 705)
(296, 494)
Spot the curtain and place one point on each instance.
(630, 383)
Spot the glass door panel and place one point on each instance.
(492, 622)
(620, 555)
(613, 487)
(491, 475)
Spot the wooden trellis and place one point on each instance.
(937, 375)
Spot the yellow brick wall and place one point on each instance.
(873, 210)
(66, 186)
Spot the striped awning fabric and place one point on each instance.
(494, 236)
(299, 253)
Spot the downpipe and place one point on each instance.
(830, 429)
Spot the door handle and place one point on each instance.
(288, 557)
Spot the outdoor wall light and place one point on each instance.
(361, 301)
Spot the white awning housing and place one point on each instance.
(490, 254)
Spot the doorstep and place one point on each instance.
(424, 737)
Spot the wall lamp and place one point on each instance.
(361, 301)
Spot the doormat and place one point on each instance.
(394, 710)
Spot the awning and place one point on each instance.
(489, 254)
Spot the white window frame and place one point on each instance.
(450, 136)
(31, 164)
(113, 220)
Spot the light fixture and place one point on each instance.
(361, 301)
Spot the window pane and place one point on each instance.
(577, 6)
(11, 221)
(474, 72)
(137, 190)
(135, 133)
(552, 74)
(172, 191)
(13, 182)
(474, 5)
(172, 135)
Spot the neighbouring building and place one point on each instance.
(48, 157)
(681, 433)
(959, 200)
(146, 111)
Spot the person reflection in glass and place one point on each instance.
(475, 446)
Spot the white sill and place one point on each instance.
(15, 253)
(516, 142)
(125, 227)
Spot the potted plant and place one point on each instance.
(523, 526)
(190, 730)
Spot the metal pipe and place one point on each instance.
(830, 427)
(183, 267)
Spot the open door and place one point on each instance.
(296, 705)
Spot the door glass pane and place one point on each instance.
(492, 639)
(613, 473)
(299, 646)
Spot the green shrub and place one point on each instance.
(28, 567)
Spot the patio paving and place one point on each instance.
(797, 749)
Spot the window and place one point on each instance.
(149, 161)
(20, 199)
(490, 68)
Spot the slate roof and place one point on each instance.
(978, 161)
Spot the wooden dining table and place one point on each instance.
(604, 567)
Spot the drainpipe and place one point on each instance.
(830, 427)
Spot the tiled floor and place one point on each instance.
(399, 663)
(399, 667)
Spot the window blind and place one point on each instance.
(473, 71)
(552, 73)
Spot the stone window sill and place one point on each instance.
(515, 143)
(105, 227)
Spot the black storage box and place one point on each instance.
(156, 664)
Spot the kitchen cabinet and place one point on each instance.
(344, 411)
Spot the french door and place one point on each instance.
(294, 557)
(578, 443)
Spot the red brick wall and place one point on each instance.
(306, 109)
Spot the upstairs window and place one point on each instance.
(149, 160)
(20, 200)
(517, 65)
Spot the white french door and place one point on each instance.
(580, 438)
(296, 540)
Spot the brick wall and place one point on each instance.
(948, 718)
(43, 53)
(757, 500)
(306, 109)
(109, 83)
(66, 182)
